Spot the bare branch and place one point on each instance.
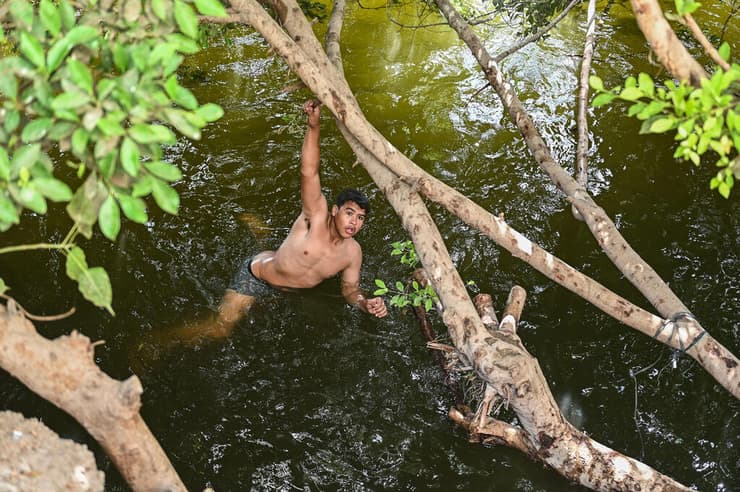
(708, 47)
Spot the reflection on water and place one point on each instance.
(310, 394)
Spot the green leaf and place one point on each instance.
(94, 285)
(210, 112)
(724, 189)
(399, 285)
(646, 84)
(32, 199)
(130, 157)
(165, 196)
(110, 125)
(143, 186)
(109, 218)
(50, 17)
(3, 287)
(8, 84)
(31, 48)
(724, 51)
(631, 94)
(178, 119)
(85, 204)
(53, 189)
(57, 53)
(602, 99)
(183, 44)
(8, 210)
(428, 304)
(76, 263)
(80, 75)
(4, 165)
(210, 7)
(12, 120)
(146, 134)
(25, 157)
(35, 130)
(160, 8)
(69, 100)
(596, 83)
(380, 283)
(133, 208)
(163, 170)
(23, 13)
(380, 292)
(80, 138)
(82, 34)
(67, 14)
(186, 19)
(662, 125)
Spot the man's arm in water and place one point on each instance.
(312, 200)
(354, 295)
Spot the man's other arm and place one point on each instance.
(355, 296)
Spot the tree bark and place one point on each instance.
(664, 42)
(63, 372)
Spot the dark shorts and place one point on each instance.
(247, 284)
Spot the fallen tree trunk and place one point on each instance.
(63, 372)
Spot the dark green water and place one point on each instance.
(308, 393)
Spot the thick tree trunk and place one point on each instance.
(63, 372)
(664, 42)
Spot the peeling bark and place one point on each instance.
(63, 372)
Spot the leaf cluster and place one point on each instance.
(706, 120)
(91, 85)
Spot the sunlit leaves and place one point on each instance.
(109, 218)
(703, 118)
(186, 19)
(210, 7)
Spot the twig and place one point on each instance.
(36, 317)
(708, 47)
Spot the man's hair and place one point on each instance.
(353, 195)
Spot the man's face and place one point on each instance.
(348, 219)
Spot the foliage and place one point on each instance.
(411, 293)
(705, 120)
(89, 96)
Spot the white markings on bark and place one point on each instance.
(549, 260)
(523, 243)
(508, 319)
(622, 468)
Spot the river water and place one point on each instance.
(309, 394)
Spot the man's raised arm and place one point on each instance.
(313, 201)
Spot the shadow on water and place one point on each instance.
(307, 393)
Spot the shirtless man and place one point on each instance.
(320, 244)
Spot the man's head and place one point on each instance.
(350, 211)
